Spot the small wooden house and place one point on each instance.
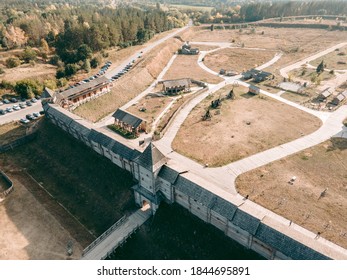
(339, 98)
(324, 95)
(175, 86)
(187, 49)
(129, 122)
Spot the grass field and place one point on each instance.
(181, 236)
(131, 84)
(98, 194)
(336, 60)
(240, 128)
(316, 169)
(11, 131)
(237, 59)
(153, 106)
(186, 66)
(295, 97)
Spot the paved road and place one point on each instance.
(17, 115)
(144, 51)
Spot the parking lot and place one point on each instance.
(15, 111)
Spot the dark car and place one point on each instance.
(30, 117)
(13, 100)
(28, 103)
(6, 101)
(2, 112)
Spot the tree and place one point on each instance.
(84, 52)
(86, 65)
(28, 88)
(12, 62)
(44, 46)
(320, 67)
(71, 69)
(95, 62)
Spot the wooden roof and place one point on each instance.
(176, 83)
(151, 158)
(85, 87)
(127, 118)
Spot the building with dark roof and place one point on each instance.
(129, 122)
(187, 49)
(176, 86)
(80, 94)
(257, 75)
(339, 98)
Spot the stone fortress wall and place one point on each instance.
(239, 219)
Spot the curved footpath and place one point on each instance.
(221, 180)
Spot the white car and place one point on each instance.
(25, 121)
(9, 109)
(16, 107)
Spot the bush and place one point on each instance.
(29, 55)
(2, 71)
(28, 88)
(12, 62)
(62, 82)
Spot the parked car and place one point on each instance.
(9, 109)
(22, 105)
(42, 112)
(34, 100)
(25, 121)
(28, 103)
(2, 112)
(36, 115)
(1, 103)
(30, 117)
(6, 101)
(16, 107)
(13, 100)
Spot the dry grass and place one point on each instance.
(237, 59)
(203, 47)
(295, 97)
(153, 107)
(131, 84)
(39, 72)
(11, 131)
(310, 75)
(317, 168)
(186, 66)
(243, 127)
(332, 60)
(294, 43)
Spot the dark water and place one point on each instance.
(175, 234)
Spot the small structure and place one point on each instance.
(253, 90)
(79, 94)
(228, 73)
(175, 86)
(49, 95)
(187, 49)
(324, 95)
(231, 94)
(129, 122)
(339, 98)
(257, 75)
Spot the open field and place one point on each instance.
(316, 169)
(193, 8)
(39, 72)
(11, 131)
(336, 60)
(310, 75)
(181, 236)
(237, 59)
(131, 84)
(295, 97)
(295, 43)
(29, 231)
(186, 66)
(98, 194)
(153, 107)
(203, 47)
(240, 128)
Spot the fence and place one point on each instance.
(104, 235)
(18, 142)
(120, 243)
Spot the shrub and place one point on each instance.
(12, 62)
